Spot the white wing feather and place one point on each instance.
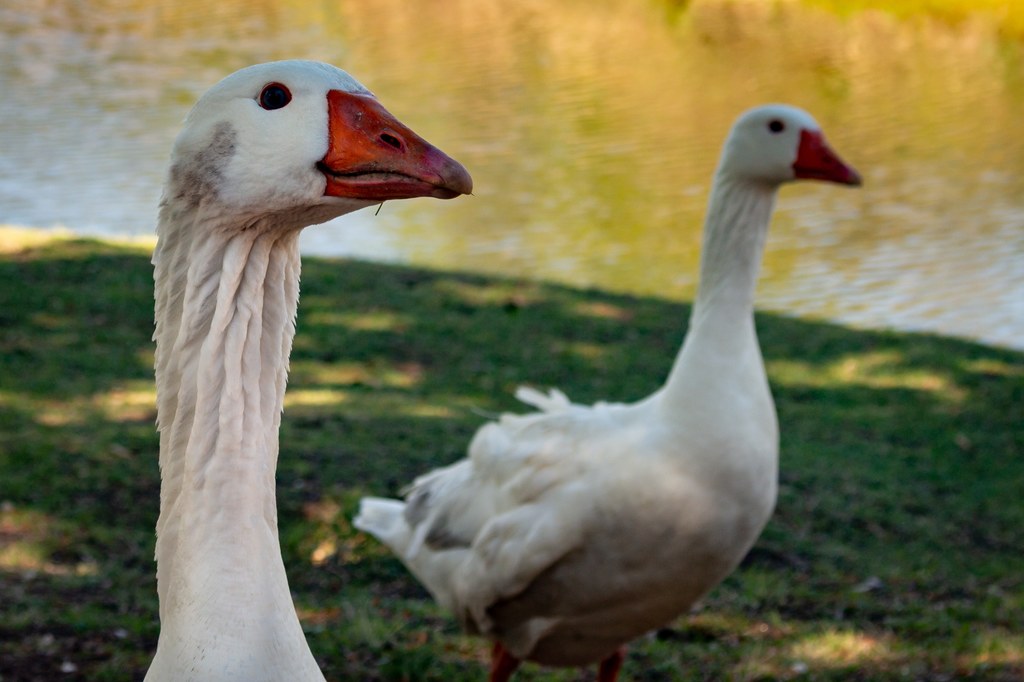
(482, 529)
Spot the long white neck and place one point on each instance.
(719, 370)
(225, 310)
(735, 230)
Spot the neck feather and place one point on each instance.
(721, 348)
(734, 235)
(225, 310)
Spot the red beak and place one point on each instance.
(815, 160)
(372, 156)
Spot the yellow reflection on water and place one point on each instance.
(593, 135)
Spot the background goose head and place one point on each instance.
(302, 142)
(778, 143)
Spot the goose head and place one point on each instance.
(777, 143)
(302, 142)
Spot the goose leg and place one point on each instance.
(503, 664)
(609, 669)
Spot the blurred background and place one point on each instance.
(591, 128)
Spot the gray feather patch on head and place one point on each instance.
(199, 176)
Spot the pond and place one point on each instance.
(591, 128)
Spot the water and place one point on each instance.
(591, 128)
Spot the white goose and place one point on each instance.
(567, 533)
(267, 151)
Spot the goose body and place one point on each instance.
(265, 152)
(569, 531)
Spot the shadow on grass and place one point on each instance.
(893, 554)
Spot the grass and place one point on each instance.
(894, 554)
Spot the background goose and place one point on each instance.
(267, 151)
(567, 533)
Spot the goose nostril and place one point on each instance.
(392, 141)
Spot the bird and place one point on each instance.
(571, 530)
(267, 151)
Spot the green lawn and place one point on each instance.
(895, 552)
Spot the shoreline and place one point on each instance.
(17, 237)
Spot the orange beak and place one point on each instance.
(372, 156)
(815, 160)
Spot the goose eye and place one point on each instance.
(274, 96)
(776, 126)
